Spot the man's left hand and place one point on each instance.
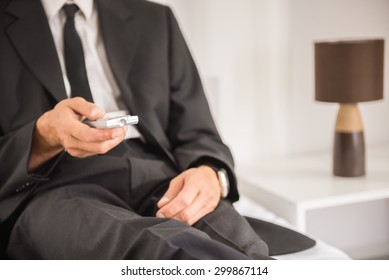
(191, 195)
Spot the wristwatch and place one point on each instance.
(223, 181)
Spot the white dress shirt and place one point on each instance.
(105, 91)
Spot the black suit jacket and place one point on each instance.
(151, 64)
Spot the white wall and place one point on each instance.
(256, 59)
(311, 123)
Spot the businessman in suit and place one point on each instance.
(159, 190)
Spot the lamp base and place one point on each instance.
(349, 154)
(349, 144)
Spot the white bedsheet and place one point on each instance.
(321, 251)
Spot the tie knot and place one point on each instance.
(70, 10)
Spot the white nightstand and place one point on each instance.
(349, 213)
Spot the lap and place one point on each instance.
(88, 222)
(92, 220)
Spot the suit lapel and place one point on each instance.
(31, 36)
(120, 37)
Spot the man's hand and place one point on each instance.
(62, 128)
(191, 195)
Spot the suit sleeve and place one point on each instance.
(15, 148)
(192, 131)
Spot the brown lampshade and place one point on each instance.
(349, 71)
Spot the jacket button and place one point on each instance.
(24, 186)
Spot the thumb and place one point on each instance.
(85, 108)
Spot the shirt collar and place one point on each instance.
(52, 7)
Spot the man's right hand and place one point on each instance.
(62, 128)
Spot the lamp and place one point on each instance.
(348, 72)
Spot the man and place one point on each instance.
(151, 191)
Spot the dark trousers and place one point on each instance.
(85, 213)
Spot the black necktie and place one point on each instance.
(74, 57)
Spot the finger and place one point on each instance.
(88, 134)
(188, 213)
(182, 201)
(174, 188)
(79, 153)
(83, 149)
(199, 215)
(85, 108)
(202, 205)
